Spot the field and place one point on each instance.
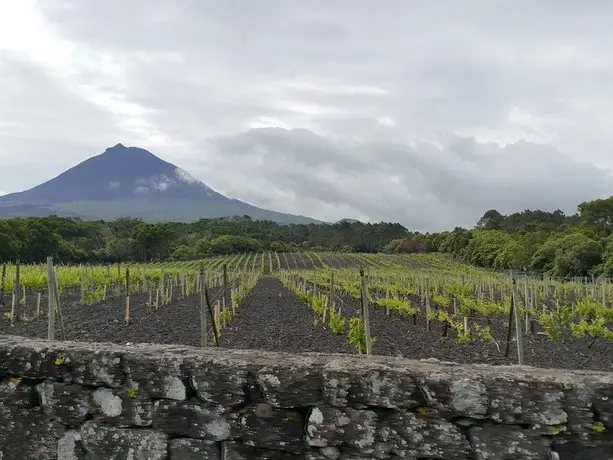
(418, 306)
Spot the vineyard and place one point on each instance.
(418, 306)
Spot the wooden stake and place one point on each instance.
(365, 314)
(509, 331)
(17, 282)
(226, 289)
(127, 309)
(203, 334)
(2, 280)
(518, 332)
(58, 305)
(211, 315)
(82, 285)
(329, 303)
(51, 291)
(387, 308)
(527, 305)
(13, 310)
(427, 306)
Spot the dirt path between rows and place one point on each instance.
(275, 319)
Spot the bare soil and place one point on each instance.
(178, 323)
(273, 318)
(270, 318)
(400, 335)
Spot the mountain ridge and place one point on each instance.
(131, 182)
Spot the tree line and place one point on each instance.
(538, 241)
(71, 240)
(542, 242)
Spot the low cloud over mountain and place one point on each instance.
(130, 182)
(424, 186)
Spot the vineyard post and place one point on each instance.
(212, 315)
(58, 306)
(2, 283)
(427, 305)
(13, 309)
(226, 290)
(127, 310)
(233, 291)
(82, 284)
(216, 310)
(330, 304)
(17, 289)
(509, 330)
(518, 332)
(527, 305)
(203, 337)
(365, 313)
(162, 288)
(51, 311)
(533, 302)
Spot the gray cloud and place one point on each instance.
(424, 112)
(33, 104)
(426, 187)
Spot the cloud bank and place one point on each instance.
(423, 113)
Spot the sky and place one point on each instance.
(423, 113)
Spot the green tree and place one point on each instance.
(573, 254)
(491, 220)
(485, 246)
(180, 253)
(152, 241)
(597, 214)
(456, 242)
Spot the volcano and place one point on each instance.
(131, 182)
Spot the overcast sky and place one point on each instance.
(426, 113)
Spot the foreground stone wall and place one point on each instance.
(151, 402)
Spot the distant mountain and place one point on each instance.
(131, 182)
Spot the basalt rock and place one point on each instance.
(77, 401)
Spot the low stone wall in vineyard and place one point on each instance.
(70, 400)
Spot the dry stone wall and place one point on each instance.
(68, 400)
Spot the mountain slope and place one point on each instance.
(131, 182)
